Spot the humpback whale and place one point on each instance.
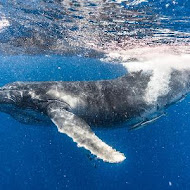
(75, 106)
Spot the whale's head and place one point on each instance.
(18, 95)
(19, 102)
(10, 94)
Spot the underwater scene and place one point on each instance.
(94, 94)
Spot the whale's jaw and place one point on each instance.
(8, 96)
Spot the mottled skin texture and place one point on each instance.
(74, 106)
(105, 102)
(98, 102)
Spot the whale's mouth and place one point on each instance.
(10, 96)
(5, 97)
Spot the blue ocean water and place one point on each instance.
(49, 41)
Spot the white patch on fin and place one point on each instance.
(80, 132)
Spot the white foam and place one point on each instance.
(132, 3)
(160, 61)
(137, 2)
(4, 23)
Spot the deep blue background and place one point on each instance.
(38, 157)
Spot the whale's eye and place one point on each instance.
(65, 108)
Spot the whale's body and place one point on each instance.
(74, 106)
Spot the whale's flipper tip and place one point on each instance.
(103, 151)
(76, 128)
(118, 157)
(115, 157)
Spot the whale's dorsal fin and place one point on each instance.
(81, 133)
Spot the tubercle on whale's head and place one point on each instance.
(17, 93)
(12, 93)
(10, 96)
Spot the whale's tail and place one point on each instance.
(80, 132)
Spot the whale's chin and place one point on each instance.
(26, 116)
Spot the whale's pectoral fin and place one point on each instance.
(80, 132)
